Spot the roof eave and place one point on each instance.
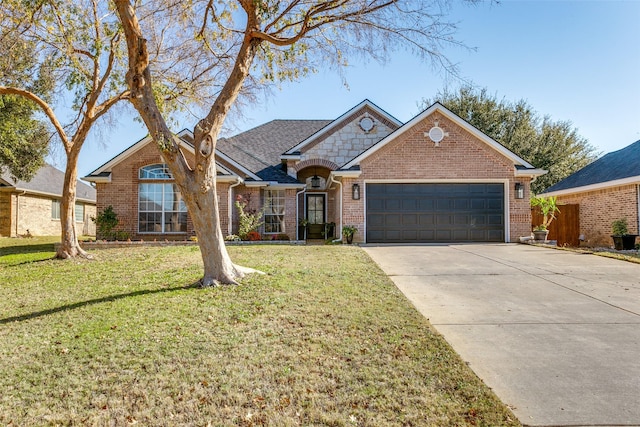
(530, 172)
(97, 179)
(594, 187)
(346, 173)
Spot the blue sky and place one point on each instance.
(572, 60)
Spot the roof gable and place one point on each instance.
(616, 168)
(336, 124)
(524, 167)
(103, 172)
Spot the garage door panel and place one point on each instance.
(393, 204)
(429, 212)
(375, 220)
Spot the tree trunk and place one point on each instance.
(218, 267)
(69, 247)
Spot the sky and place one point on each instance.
(576, 61)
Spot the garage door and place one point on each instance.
(429, 213)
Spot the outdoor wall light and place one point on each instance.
(355, 192)
(519, 190)
(315, 181)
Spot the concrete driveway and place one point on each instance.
(555, 334)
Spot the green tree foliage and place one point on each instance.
(106, 221)
(70, 48)
(24, 140)
(552, 145)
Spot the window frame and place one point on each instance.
(280, 210)
(56, 207)
(75, 211)
(164, 180)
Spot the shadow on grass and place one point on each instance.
(26, 249)
(80, 304)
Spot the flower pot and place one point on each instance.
(540, 235)
(624, 243)
(349, 239)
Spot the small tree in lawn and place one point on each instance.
(74, 49)
(249, 219)
(243, 47)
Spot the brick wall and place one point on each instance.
(122, 194)
(598, 209)
(6, 214)
(460, 156)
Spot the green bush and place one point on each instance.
(105, 222)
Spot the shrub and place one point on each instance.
(281, 236)
(105, 222)
(253, 236)
(249, 218)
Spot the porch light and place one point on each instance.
(315, 181)
(355, 192)
(519, 190)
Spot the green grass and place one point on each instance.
(323, 339)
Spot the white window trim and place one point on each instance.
(284, 214)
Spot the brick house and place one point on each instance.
(35, 205)
(435, 178)
(606, 190)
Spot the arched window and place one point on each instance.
(161, 208)
(157, 171)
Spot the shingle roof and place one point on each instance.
(49, 180)
(621, 164)
(259, 149)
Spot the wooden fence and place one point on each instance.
(565, 229)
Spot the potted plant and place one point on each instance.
(622, 240)
(548, 209)
(348, 231)
(302, 228)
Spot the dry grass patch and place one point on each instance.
(323, 339)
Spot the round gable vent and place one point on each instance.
(366, 124)
(436, 134)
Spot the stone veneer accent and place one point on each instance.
(349, 140)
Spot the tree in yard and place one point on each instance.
(74, 50)
(24, 140)
(551, 145)
(247, 45)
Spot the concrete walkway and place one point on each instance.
(555, 334)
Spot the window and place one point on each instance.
(274, 211)
(55, 209)
(157, 171)
(161, 209)
(79, 212)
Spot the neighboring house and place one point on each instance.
(34, 207)
(606, 190)
(435, 178)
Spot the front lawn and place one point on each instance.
(324, 339)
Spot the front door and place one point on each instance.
(315, 215)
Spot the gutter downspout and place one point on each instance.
(230, 205)
(340, 207)
(298, 212)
